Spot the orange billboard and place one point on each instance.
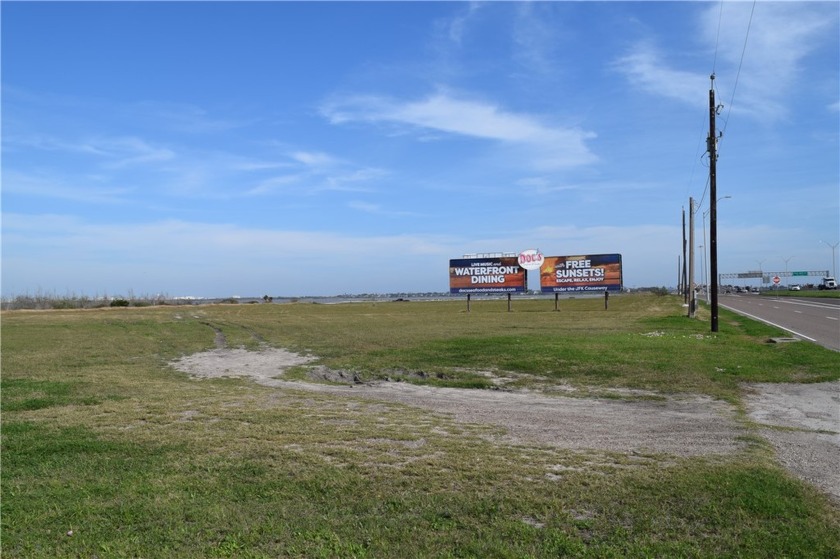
(486, 275)
(588, 273)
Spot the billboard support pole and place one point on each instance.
(556, 299)
(508, 302)
(468, 302)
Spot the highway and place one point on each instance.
(813, 319)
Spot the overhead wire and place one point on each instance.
(700, 143)
(712, 142)
(737, 78)
(740, 65)
(717, 38)
(714, 70)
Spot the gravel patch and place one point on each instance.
(802, 422)
(676, 425)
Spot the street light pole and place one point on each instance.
(761, 272)
(787, 280)
(833, 258)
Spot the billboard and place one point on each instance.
(501, 274)
(589, 273)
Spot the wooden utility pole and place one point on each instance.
(684, 271)
(679, 274)
(692, 292)
(713, 258)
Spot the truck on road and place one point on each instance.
(828, 282)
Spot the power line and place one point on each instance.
(703, 139)
(737, 78)
(712, 140)
(740, 64)
(703, 197)
(717, 37)
(700, 142)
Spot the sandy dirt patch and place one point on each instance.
(802, 422)
(681, 426)
(223, 362)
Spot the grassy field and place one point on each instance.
(109, 452)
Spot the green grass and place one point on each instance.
(100, 437)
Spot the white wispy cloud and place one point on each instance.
(545, 185)
(354, 179)
(781, 36)
(550, 147)
(108, 151)
(275, 183)
(535, 39)
(248, 164)
(454, 27)
(310, 172)
(314, 159)
(646, 69)
(131, 151)
(765, 55)
(105, 169)
(44, 184)
(378, 209)
(181, 117)
(142, 156)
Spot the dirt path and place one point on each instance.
(808, 443)
(681, 426)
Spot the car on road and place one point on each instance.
(795, 288)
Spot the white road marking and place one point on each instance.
(810, 304)
(794, 332)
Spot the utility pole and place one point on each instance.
(692, 297)
(713, 257)
(679, 274)
(684, 272)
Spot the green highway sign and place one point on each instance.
(800, 273)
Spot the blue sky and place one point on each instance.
(283, 148)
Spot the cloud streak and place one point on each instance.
(646, 69)
(552, 147)
(779, 37)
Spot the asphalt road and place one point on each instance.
(813, 319)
